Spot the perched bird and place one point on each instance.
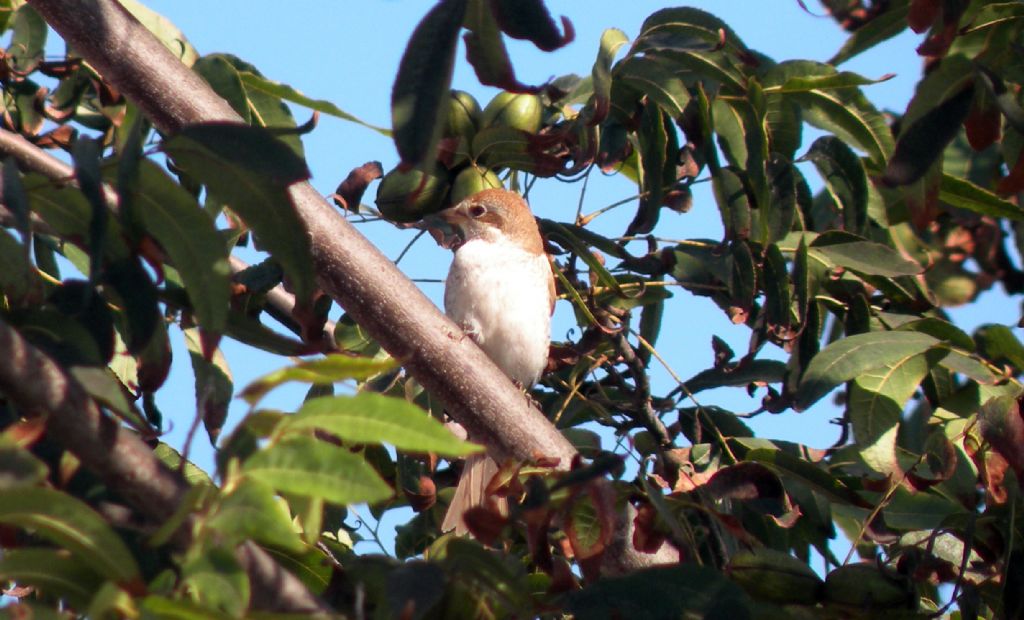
(501, 291)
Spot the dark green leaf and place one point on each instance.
(375, 418)
(302, 465)
(733, 202)
(777, 297)
(682, 591)
(1000, 345)
(102, 385)
(757, 371)
(188, 235)
(845, 178)
(843, 79)
(922, 142)
(18, 467)
(72, 524)
(86, 153)
(251, 170)
(224, 79)
(18, 278)
(612, 40)
(420, 92)
(214, 384)
(963, 194)
(882, 27)
(775, 220)
(855, 355)
(28, 40)
(530, 20)
(657, 80)
(52, 572)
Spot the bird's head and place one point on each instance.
(491, 215)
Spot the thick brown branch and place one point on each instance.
(351, 269)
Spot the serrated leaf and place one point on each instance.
(330, 369)
(72, 524)
(303, 465)
(375, 418)
(251, 170)
(278, 90)
(963, 194)
(845, 179)
(420, 92)
(855, 355)
(837, 248)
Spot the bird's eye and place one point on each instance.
(477, 211)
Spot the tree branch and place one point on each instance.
(37, 385)
(370, 288)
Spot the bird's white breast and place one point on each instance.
(498, 292)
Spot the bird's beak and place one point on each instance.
(443, 227)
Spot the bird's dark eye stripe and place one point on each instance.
(477, 210)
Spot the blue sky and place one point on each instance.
(348, 53)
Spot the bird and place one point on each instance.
(501, 291)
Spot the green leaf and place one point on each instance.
(778, 300)
(329, 369)
(188, 235)
(375, 418)
(225, 80)
(855, 355)
(683, 591)
(103, 385)
(28, 39)
(18, 467)
(251, 170)
(214, 384)
(612, 40)
(882, 27)
(530, 20)
(875, 406)
(172, 459)
(302, 465)
(165, 609)
(733, 202)
(72, 524)
(837, 248)
(250, 510)
(775, 219)
(843, 79)
(845, 178)
(216, 581)
(757, 371)
(164, 30)
(922, 142)
(963, 194)
(69, 214)
(254, 82)
(18, 278)
(53, 572)
(999, 344)
(419, 96)
(810, 474)
(655, 78)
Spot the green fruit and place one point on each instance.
(464, 116)
(516, 111)
(473, 180)
(408, 196)
(775, 576)
(865, 586)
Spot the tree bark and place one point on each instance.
(350, 269)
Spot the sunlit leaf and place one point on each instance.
(303, 465)
(329, 369)
(855, 355)
(374, 418)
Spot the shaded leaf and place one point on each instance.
(420, 92)
(72, 524)
(842, 249)
(530, 20)
(375, 418)
(53, 572)
(251, 170)
(214, 384)
(845, 178)
(882, 27)
(612, 40)
(920, 144)
(963, 194)
(188, 235)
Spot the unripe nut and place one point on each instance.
(464, 117)
(472, 180)
(408, 196)
(515, 111)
